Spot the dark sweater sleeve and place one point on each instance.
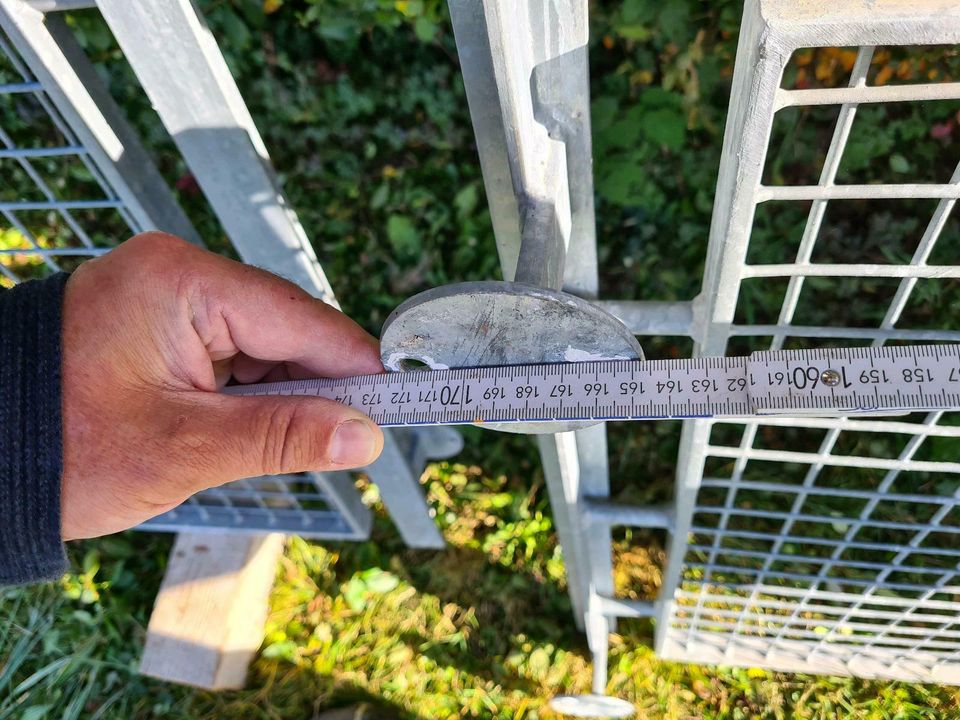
(31, 452)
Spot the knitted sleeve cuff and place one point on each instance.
(31, 451)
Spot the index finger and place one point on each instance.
(240, 308)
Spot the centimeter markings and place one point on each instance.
(783, 382)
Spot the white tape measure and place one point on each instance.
(787, 382)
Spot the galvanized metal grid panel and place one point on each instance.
(304, 504)
(60, 209)
(818, 545)
(52, 190)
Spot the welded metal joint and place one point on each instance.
(603, 511)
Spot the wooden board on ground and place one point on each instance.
(209, 616)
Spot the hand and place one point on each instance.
(151, 331)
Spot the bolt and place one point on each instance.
(830, 378)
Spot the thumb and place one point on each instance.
(270, 435)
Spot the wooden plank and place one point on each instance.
(208, 620)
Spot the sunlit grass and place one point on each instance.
(481, 629)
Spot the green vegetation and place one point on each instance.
(362, 107)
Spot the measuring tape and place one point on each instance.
(885, 380)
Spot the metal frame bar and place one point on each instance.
(166, 41)
(527, 87)
(526, 83)
(47, 6)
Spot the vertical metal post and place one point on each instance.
(527, 86)
(752, 100)
(523, 71)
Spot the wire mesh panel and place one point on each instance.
(57, 206)
(302, 503)
(825, 545)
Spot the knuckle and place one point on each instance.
(162, 493)
(157, 240)
(155, 251)
(291, 443)
(195, 448)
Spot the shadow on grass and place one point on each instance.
(458, 629)
(283, 692)
(468, 661)
(511, 599)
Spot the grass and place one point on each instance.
(482, 629)
(362, 106)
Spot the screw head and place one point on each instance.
(830, 378)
